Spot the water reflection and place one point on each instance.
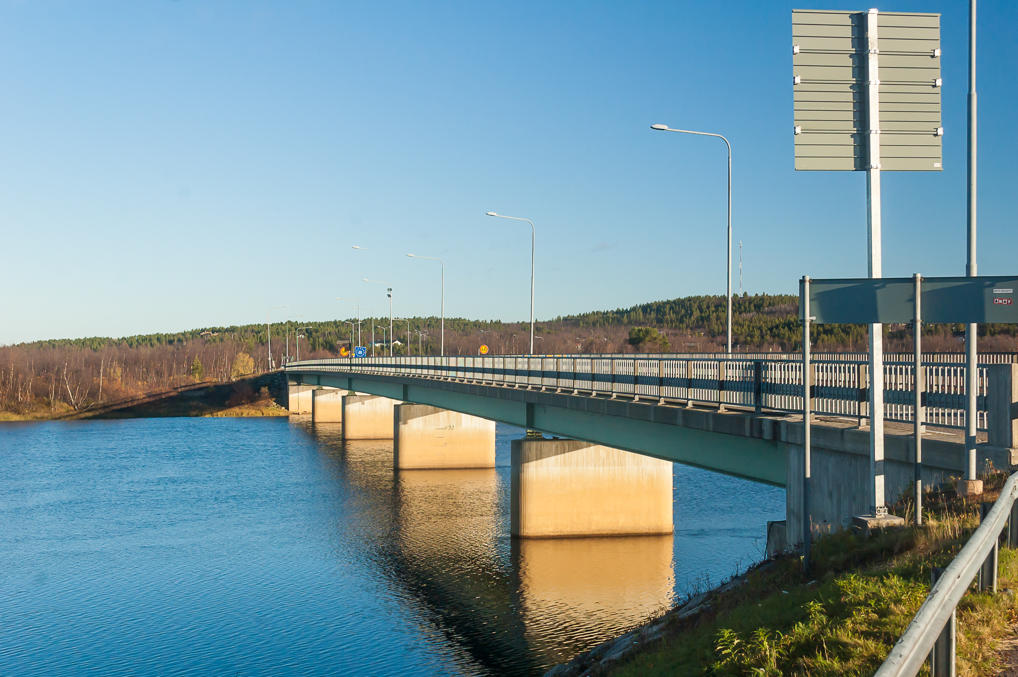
(575, 591)
(516, 607)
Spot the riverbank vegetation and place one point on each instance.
(45, 379)
(844, 618)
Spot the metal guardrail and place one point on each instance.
(841, 386)
(931, 634)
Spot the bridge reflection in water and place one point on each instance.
(507, 606)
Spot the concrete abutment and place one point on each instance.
(565, 488)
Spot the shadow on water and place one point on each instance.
(509, 606)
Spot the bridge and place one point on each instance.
(625, 418)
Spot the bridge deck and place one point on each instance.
(754, 443)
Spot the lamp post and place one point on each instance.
(351, 332)
(358, 304)
(442, 263)
(666, 128)
(268, 331)
(388, 293)
(533, 245)
(296, 339)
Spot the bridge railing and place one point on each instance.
(841, 387)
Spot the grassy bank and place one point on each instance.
(846, 616)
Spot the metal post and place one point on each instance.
(268, 333)
(876, 339)
(728, 341)
(389, 294)
(372, 337)
(442, 349)
(943, 654)
(728, 145)
(987, 579)
(920, 386)
(1012, 527)
(807, 471)
(758, 386)
(533, 248)
(971, 333)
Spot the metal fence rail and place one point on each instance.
(932, 632)
(841, 386)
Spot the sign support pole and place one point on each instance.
(876, 339)
(971, 330)
(807, 405)
(918, 414)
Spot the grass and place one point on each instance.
(844, 619)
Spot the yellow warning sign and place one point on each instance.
(483, 350)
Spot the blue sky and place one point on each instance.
(171, 165)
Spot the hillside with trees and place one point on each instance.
(47, 378)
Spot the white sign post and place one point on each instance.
(866, 91)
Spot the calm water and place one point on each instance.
(253, 546)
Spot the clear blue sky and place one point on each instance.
(171, 165)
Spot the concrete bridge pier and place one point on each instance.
(298, 398)
(327, 405)
(367, 417)
(563, 488)
(428, 438)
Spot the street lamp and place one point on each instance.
(296, 339)
(358, 303)
(388, 292)
(442, 263)
(666, 128)
(533, 241)
(268, 331)
(351, 333)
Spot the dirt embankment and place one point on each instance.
(263, 395)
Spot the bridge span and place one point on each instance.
(735, 415)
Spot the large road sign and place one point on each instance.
(838, 79)
(961, 300)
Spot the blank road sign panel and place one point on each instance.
(890, 300)
(829, 64)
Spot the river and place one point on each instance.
(267, 546)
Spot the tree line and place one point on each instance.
(53, 376)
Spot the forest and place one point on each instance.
(51, 377)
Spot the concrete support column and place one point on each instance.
(429, 438)
(327, 405)
(573, 488)
(367, 417)
(298, 399)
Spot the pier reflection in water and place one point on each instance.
(515, 606)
